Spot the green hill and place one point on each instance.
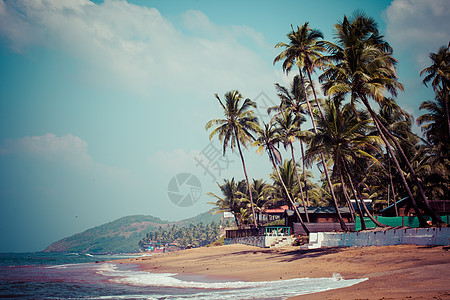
(121, 235)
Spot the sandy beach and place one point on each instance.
(394, 272)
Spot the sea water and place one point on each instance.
(85, 276)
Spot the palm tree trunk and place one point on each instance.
(248, 183)
(347, 198)
(315, 96)
(377, 122)
(287, 193)
(392, 185)
(299, 184)
(359, 196)
(361, 214)
(428, 208)
(336, 206)
(325, 169)
(304, 173)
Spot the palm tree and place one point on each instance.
(293, 100)
(433, 122)
(236, 129)
(286, 170)
(439, 75)
(398, 122)
(436, 150)
(362, 65)
(304, 50)
(268, 137)
(262, 195)
(342, 136)
(233, 200)
(290, 129)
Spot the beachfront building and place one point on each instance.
(320, 219)
(405, 208)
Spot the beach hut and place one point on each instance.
(321, 219)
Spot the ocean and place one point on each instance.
(86, 276)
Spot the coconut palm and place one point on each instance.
(233, 200)
(293, 100)
(290, 129)
(304, 50)
(439, 75)
(342, 136)
(286, 170)
(433, 121)
(268, 137)
(362, 66)
(262, 195)
(236, 129)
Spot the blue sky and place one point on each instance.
(102, 103)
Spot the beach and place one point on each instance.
(393, 272)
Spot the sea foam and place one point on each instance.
(279, 289)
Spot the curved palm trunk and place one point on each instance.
(336, 206)
(287, 193)
(347, 198)
(428, 208)
(382, 129)
(392, 185)
(315, 96)
(377, 122)
(248, 183)
(304, 173)
(299, 184)
(325, 168)
(359, 196)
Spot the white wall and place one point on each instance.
(415, 236)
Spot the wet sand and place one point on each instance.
(394, 272)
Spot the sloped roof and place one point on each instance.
(278, 210)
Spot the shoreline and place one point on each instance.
(394, 272)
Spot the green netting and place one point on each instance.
(395, 221)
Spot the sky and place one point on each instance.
(103, 104)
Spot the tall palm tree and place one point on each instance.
(267, 139)
(433, 121)
(439, 75)
(290, 130)
(293, 100)
(236, 129)
(304, 50)
(342, 136)
(363, 66)
(436, 150)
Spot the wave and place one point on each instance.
(226, 290)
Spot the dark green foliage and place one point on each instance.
(196, 235)
(122, 235)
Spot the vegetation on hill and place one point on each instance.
(194, 235)
(122, 235)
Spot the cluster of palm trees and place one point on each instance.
(362, 152)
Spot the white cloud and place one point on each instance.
(67, 150)
(49, 146)
(135, 47)
(418, 27)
